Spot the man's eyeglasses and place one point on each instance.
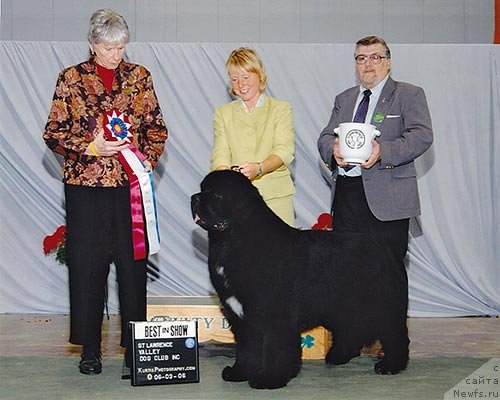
(374, 58)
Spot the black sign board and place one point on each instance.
(164, 352)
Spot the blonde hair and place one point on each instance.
(248, 60)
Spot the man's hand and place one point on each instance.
(339, 158)
(375, 157)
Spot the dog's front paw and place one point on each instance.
(336, 357)
(268, 381)
(387, 368)
(234, 374)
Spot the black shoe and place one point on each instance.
(127, 364)
(126, 374)
(90, 364)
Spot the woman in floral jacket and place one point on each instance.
(97, 184)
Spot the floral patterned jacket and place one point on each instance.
(78, 110)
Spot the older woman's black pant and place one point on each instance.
(99, 233)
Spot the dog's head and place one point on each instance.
(225, 198)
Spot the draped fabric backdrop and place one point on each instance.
(453, 264)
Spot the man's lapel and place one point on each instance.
(383, 103)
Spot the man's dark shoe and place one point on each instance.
(90, 364)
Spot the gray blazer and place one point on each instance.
(403, 119)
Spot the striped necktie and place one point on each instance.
(360, 116)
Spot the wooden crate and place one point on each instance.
(212, 325)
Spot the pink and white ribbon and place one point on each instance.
(142, 197)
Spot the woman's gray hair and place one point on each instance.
(107, 26)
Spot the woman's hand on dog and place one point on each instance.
(250, 170)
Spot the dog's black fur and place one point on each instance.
(275, 282)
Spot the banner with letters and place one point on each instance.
(164, 352)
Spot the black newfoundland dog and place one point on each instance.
(275, 282)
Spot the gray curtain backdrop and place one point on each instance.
(453, 263)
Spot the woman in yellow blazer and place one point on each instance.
(255, 134)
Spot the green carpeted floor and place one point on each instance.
(54, 378)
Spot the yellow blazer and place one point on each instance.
(241, 137)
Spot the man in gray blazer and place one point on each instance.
(380, 195)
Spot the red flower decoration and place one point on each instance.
(55, 243)
(324, 223)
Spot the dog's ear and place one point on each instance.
(235, 194)
(241, 190)
(245, 198)
(228, 184)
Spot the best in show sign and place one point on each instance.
(164, 352)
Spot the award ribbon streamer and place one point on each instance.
(142, 196)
